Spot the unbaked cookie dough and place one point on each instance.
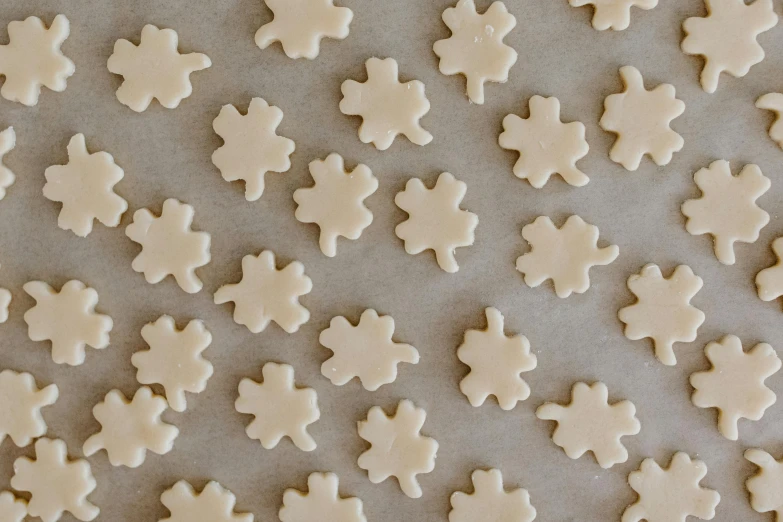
(12, 509)
(20, 407)
(214, 503)
(769, 281)
(613, 14)
(490, 501)
(766, 486)
(322, 502)
(7, 143)
(772, 102)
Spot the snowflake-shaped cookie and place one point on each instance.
(663, 310)
(641, 119)
(251, 145)
(564, 255)
(769, 282)
(7, 143)
(772, 102)
(20, 407)
(435, 220)
(726, 37)
(169, 246)
(366, 351)
(174, 359)
(130, 428)
(85, 187)
(671, 494)
(12, 509)
(213, 504)
(766, 486)
(727, 208)
(336, 202)
(613, 14)
(279, 407)
(267, 294)
(154, 69)
(490, 501)
(67, 319)
(546, 146)
(475, 48)
(32, 58)
(387, 107)
(5, 302)
(397, 447)
(322, 502)
(55, 483)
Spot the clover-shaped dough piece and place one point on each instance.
(663, 310)
(735, 383)
(251, 145)
(671, 494)
(32, 58)
(641, 120)
(174, 359)
(387, 107)
(322, 502)
(766, 486)
(267, 294)
(397, 447)
(613, 14)
(55, 483)
(490, 501)
(154, 69)
(366, 351)
(85, 187)
(213, 504)
(7, 143)
(279, 407)
(769, 282)
(336, 202)
(475, 48)
(12, 509)
(727, 208)
(726, 37)
(435, 221)
(564, 255)
(169, 246)
(20, 407)
(67, 319)
(5, 302)
(772, 102)
(546, 146)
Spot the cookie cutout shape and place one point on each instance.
(769, 282)
(67, 319)
(322, 502)
(213, 504)
(32, 58)
(435, 221)
(12, 509)
(663, 310)
(154, 69)
(55, 483)
(85, 187)
(726, 37)
(397, 447)
(251, 145)
(564, 255)
(641, 119)
(546, 146)
(490, 501)
(267, 294)
(771, 102)
(387, 107)
(174, 359)
(5, 302)
(366, 351)
(336, 202)
(20, 407)
(671, 494)
(613, 14)
(727, 208)
(7, 143)
(766, 486)
(130, 428)
(475, 48)
(279, 407)
(169, 246)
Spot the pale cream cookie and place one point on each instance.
(766, 486)
(7, 144)
(322, 502)
(769, 282)
(613, 14)
(214, 503)
(12, 509)
(490, 501)
(20, 407)
(772, 102)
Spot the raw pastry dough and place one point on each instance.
(490, 501)
(267, 294)
(769, 281)
(766, 486)
(397, 447)
(7, 143)
(12, 509)
(32, 58)
(387, 107)
(735, 383)
(20, 407)
(771, 102)
(641, 120)
(154, 69)
(726, 37)
(5, 302)
(174, 359)
(85, 187)
(67, 319)
(213, 504)
(435, 220)
(663, 310)
(475, 48)
(366, 351)
(613, 14)
(336, 202)
(564, 255)
(322, 502)
(251, 145)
